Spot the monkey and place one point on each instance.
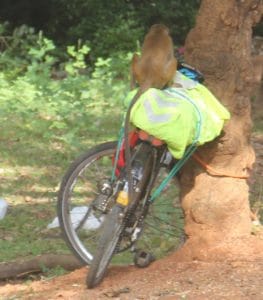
(154, 68)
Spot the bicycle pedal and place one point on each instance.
(100, 203)
(143, 259)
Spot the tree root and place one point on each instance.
(23, 267)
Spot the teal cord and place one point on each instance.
(189, 151)
(120, 139)
(173, 172)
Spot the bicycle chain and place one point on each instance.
(124, 225)
(130, 214)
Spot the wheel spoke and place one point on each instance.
(80, 223)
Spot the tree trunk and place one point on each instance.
(217, 213)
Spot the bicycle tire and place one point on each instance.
(77, 190)
(114, 225)
(109, 239)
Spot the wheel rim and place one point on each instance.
(81, 190)
(163, 225)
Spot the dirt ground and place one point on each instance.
(166, 279)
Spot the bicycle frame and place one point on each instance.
(155, 143)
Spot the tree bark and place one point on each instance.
(217, 213)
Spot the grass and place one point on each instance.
(31, 168)
(23, 232)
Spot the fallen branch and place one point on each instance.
(26, 266)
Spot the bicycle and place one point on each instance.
(98, 220)
(105, 225)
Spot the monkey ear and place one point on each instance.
(134, 70)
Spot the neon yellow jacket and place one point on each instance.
(172, 115)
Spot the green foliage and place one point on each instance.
(77, 60)
(60, 110)
(178, 15)
(106, 26)
(121, 35)
(40, 59)
(47, 120)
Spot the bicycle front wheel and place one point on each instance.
(79, 221)
(121, 223)
(111, 235)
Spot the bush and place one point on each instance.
(106, 26)
(59, 109)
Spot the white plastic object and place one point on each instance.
(3, 208)
(77, 214)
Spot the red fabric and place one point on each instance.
(133, 138)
